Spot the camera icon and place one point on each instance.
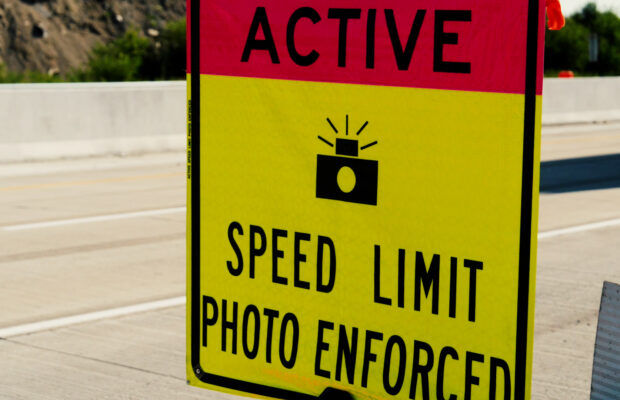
(345, 176)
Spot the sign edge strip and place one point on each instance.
(195, 186)
(527, 182)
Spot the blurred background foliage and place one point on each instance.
(589, 44)
(131, 57)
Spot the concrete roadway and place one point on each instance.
(54, 266)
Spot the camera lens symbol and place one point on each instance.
(346, 179)
(345, 176)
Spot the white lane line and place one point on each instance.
(93, 316)
(97, 218)
(579, 228)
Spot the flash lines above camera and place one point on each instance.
(345, 177)
(347, 147)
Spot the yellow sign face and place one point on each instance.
(358, 240)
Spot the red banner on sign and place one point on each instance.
(439, 44)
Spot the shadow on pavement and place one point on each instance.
(578, 174)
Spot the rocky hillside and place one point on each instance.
(55, 36)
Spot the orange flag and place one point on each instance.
(554, 15)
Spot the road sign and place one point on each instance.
(363, 190)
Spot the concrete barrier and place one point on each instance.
(581, 100)
(47, 121)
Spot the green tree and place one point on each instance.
(569, 48)
(119, 60)
(166, 58)
(608, 30)
(135, 57)
(174, 50)
(7, 76)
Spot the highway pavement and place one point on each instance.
(92, 271)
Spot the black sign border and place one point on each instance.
(529, 135)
